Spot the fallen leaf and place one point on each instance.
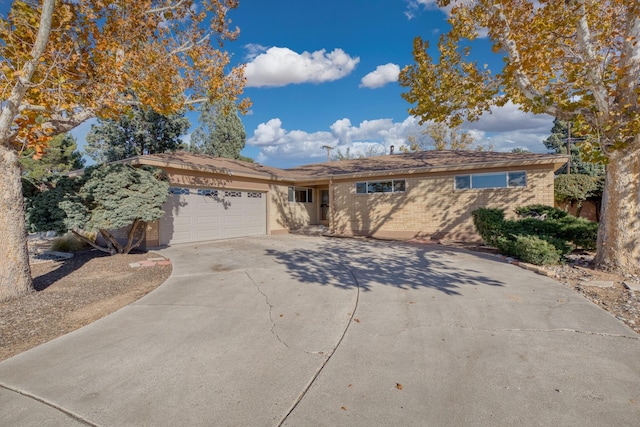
(344, 408)
(356, 320)
(399, 386)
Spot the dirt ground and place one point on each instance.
(618, 299)
(75, 292)
(72, 293)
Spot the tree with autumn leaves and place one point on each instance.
(577, 60)
(65, 61)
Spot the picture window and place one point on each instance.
(389, 186)
(491, 180)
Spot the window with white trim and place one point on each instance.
(491, 180)
(387, 186)
(300, 195)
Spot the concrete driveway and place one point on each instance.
(309, 331)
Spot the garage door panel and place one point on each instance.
(209, 220)
(193, 217)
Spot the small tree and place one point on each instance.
(105, 198)
(220, 131)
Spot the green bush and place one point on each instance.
(535, 250)
(579, 231)
(489, 223)
(542, 235)
(577, 187)
(538, 211)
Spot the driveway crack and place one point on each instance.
(574, 331)
(330, 354)
(568, 330)
(266, 299)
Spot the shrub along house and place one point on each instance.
(400, 196)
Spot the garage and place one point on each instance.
(201, 214)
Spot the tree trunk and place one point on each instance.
(15, 273)
(619, 231)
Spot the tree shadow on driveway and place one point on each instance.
(365, 263)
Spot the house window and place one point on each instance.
(300, 195)
(389, 186)
(491, 180)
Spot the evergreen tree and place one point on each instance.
(60, 156)
(220, 131)
(557, 143)
(106, 197)
(143, 131)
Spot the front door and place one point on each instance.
(324, 207)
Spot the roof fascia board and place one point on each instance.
(436, 169)
(143, 160)
(323, 180)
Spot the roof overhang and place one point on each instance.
(556, 162)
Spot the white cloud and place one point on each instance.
(253, 50)
(279, 147)
(414, 7)
(511, 118)
(507, 128)
(382, 75)
(280, 66)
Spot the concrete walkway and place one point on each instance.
(310, 331)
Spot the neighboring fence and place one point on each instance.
(589, 209)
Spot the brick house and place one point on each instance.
(399, 196)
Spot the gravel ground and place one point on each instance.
(614, 295)
(74, 292)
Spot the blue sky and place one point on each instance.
(325, 73)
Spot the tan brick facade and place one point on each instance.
(284, 215)
(430, 206)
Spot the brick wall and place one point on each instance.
(430, 207)
(284, 215)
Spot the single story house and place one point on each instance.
(398, 196)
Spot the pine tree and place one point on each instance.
(220, 131)
(557, 143)
(143, 131)
(60, 156)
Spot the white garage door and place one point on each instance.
(195, 215)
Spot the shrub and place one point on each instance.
(579, 231)
(489, 223)
(535, 250)
(576, 187)
(67, 243)
(547, 233)
(538, 211)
